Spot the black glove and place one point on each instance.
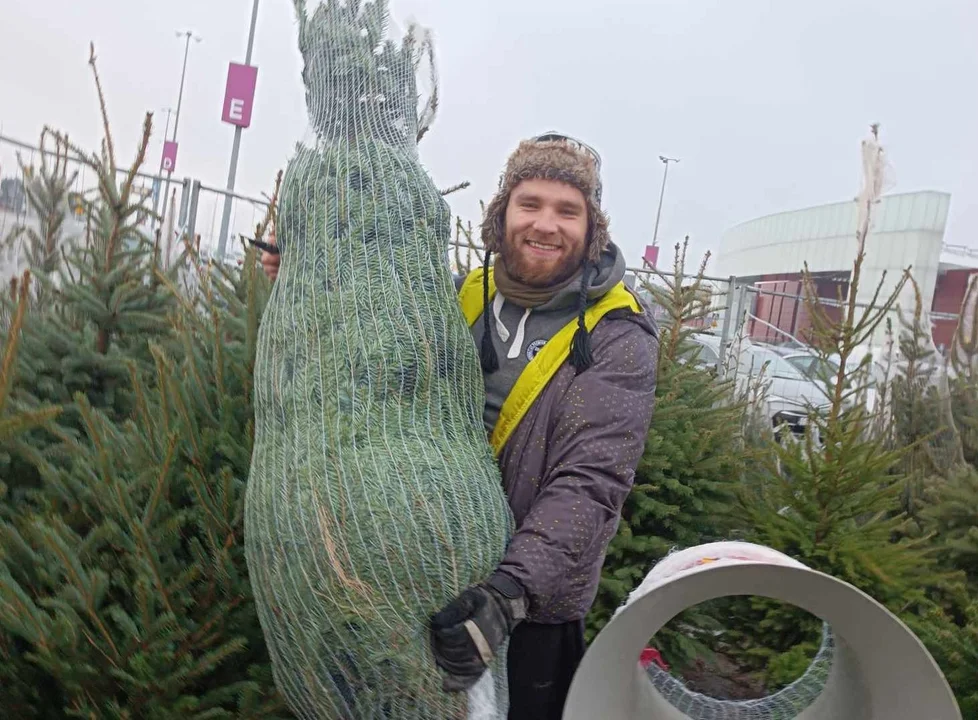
(467, 632)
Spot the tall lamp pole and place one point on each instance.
(232, 172)
(166, 133)
(176, 123)
(665, 161)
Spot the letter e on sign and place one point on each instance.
(239, 94)
(237, 107)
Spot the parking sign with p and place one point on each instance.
(169, 162)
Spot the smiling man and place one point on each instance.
(569, 357)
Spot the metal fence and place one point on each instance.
(184, 207)
(760, 338)
(746, 330)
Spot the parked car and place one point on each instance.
(790, 392)
(708, 355)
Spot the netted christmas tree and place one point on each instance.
(374, 497)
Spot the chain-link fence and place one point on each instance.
(179, 208)
(20, 163)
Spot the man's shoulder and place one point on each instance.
(626, 320)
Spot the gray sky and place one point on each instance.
(765, 102)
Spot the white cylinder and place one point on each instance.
(880, 670)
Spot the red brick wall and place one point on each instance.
(789, 314)
(948, 296)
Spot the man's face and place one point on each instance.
(545, 232)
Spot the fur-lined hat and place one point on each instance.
(568, 161)
(551, 156)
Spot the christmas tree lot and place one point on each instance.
(126, 443)
(127, 427)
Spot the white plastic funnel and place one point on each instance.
(879, 669)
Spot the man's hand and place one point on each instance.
(270, 261)
(467, 632)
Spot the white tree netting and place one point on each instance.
(374, 497)
(785, 704)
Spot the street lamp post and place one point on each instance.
(232, 172)
(166, 133)
(665, 161)
(176, 123)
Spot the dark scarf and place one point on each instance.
(524, 295)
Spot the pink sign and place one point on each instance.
(239, 95)
(169, 161)
(651, 254)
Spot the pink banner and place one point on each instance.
(169, 161)
(651, 254)
(239, 95)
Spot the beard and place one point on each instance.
(532, 275)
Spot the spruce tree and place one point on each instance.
(832, 500)
(106, 301)
(123, 586)
(951, 631)
(20, 415)
(953, 641)
(920, 411)
(694, 458)
(47, 193)
(964, 380)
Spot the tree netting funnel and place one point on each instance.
(871, 666)
(374, 496)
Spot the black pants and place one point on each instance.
(542, 660)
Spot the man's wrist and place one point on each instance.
(511, 594)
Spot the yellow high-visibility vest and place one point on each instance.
(545, 363)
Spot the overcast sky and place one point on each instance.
(764, 102)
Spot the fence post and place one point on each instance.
(725, 331)
(191, 224)
(184, 201)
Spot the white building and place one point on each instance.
(907, 231)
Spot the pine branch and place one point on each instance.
(101, 101)
(426, 117)
(455, 188)
(13, 340)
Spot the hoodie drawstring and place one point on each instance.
(517, 347)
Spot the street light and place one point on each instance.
(176, 124)
(665, 161)
(183, 75)
(156, 187)
(169, 114)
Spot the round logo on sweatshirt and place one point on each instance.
(533, 348)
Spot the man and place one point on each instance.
(568, 432)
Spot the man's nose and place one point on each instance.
(546, 222)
